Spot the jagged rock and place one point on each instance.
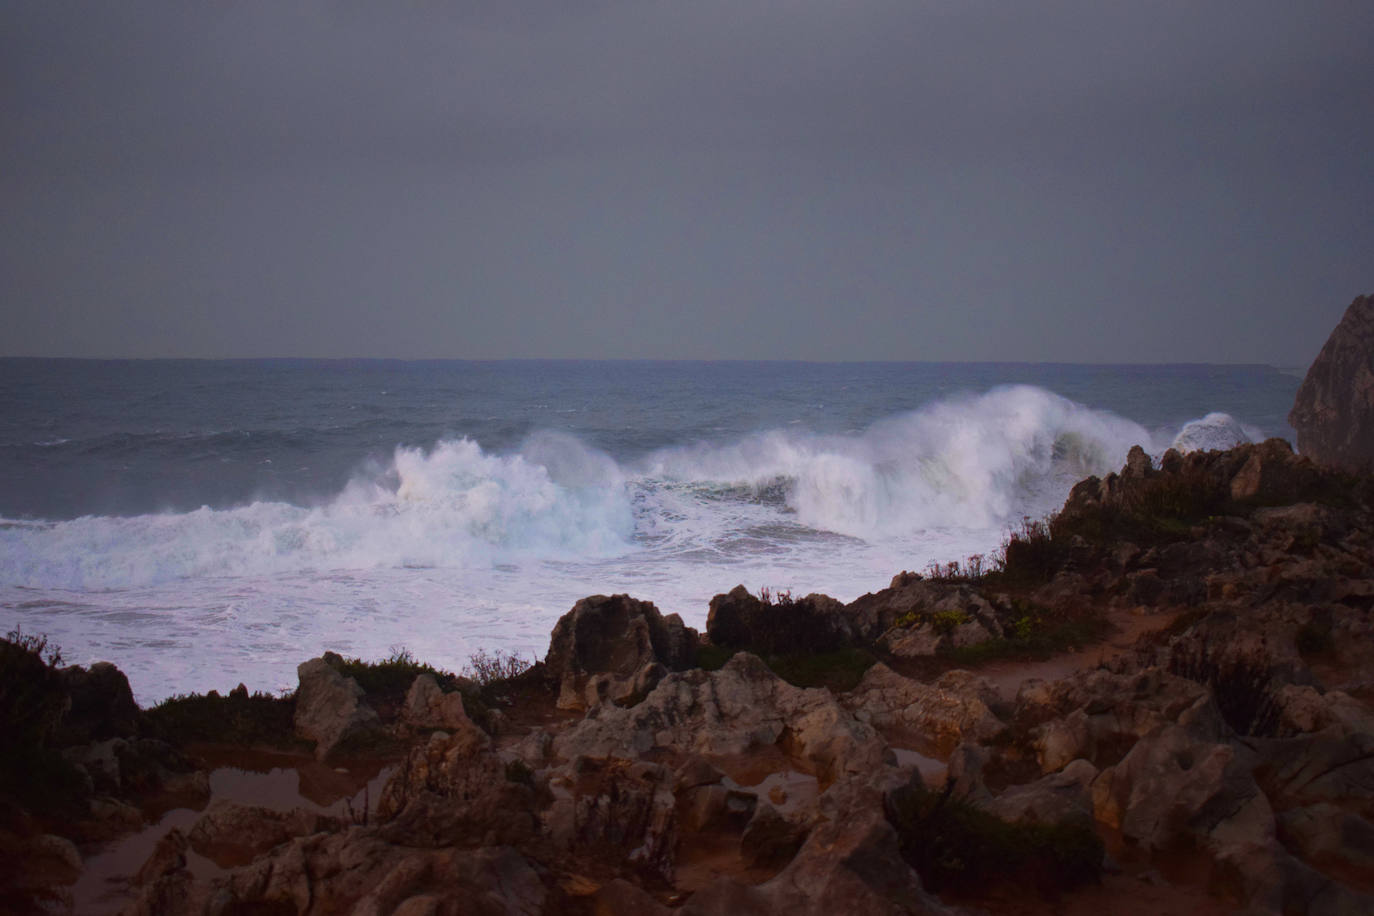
(1333, 412)
(850, 866)
(168, 856)
(456, 790)
(1053, 799)
(330, 707)
(1175, 786)
(1326, 834)
(744, 706)
(427, 706)
(1334, 765)
(955, 707)
(357, 872)
(1098, 715)
(233, 834)
(1303, 708)
(626, 642)
(816, 623)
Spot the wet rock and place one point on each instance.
(1333, 412)
(330, 708)
(614, 640)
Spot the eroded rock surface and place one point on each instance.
(1334, 409)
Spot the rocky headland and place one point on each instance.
(1161, 699)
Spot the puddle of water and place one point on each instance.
(104, 886)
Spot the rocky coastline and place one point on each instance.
(1159, 699)
(801, 755)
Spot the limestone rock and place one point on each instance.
(742, 707)
(1334, 409)
(620, 641)
(427, 706)
(330, 707)
(956, 707)
(456, 789)
(233, 834)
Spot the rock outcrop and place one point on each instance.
(1334, 410)
(330, 707)
(608, 649)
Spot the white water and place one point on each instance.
(452, 549)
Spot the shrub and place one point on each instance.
(490, 668)
(1242, 685)
(956, 846)
(248, 720)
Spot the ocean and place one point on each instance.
(202, 523)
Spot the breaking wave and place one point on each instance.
(965, 462)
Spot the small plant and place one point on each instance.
(780, 598)
(946, 622)
(956, 846)
(1242, 685)
(489, 668)
(36, 645)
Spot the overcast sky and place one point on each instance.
(1183, 181)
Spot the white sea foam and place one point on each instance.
(968, 461)
(452, 548)
(1214, 431)
(452, 506)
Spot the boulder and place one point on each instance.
(1176, 787)
(102, 707)
(427, 706)
(622, 644)
(330, 708)
(1333, 412)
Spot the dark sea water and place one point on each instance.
(201, 523)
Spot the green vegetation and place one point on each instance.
(249, 720)
(839, 669)
(955, 846)
(33, 700)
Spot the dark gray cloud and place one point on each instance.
(887, 180)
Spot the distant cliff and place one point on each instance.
(1334, 410)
